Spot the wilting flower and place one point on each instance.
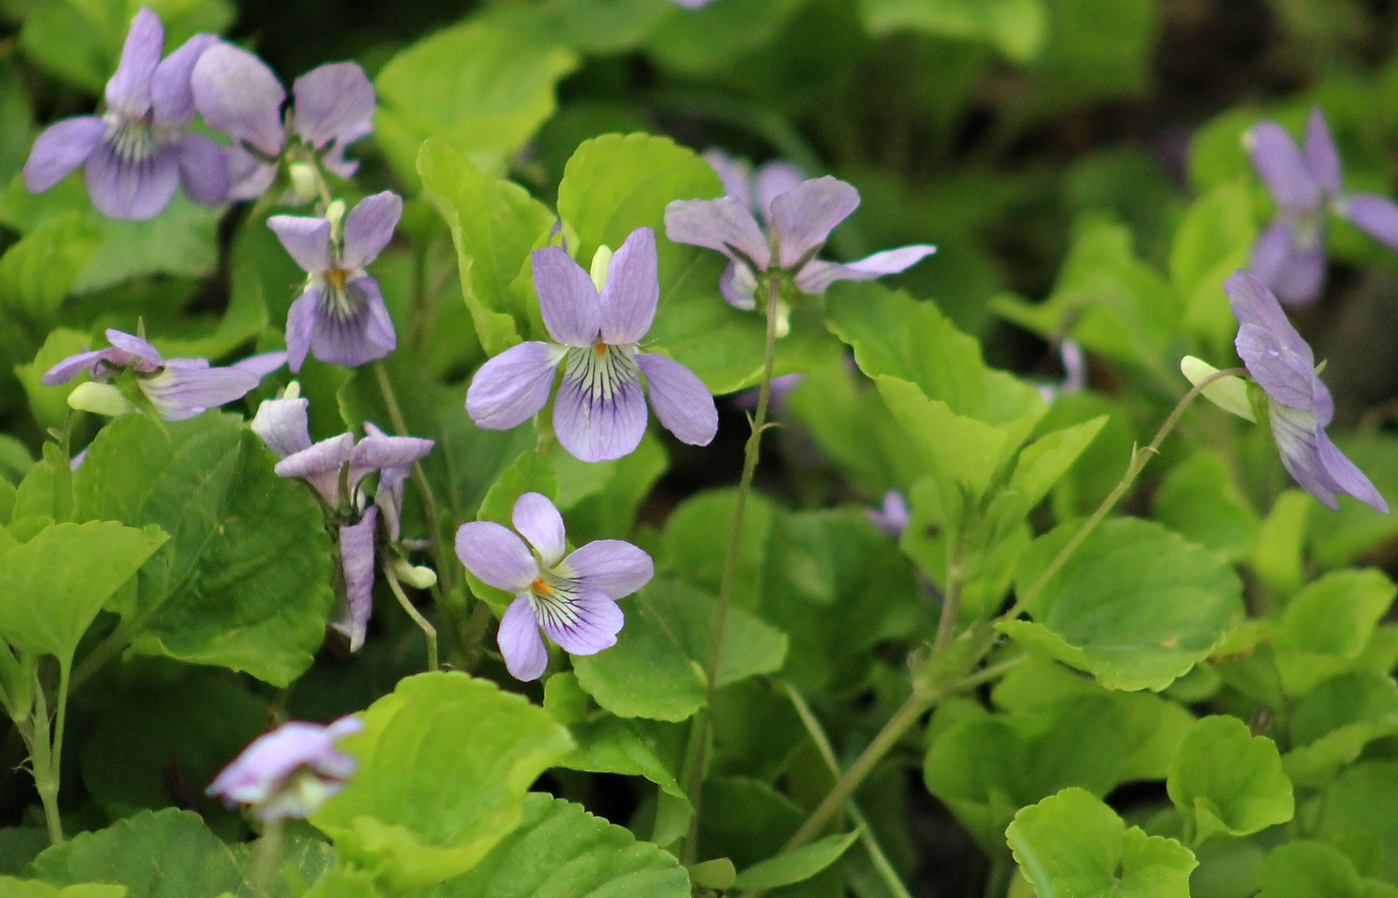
(175, 388)
(1298, 405)
(238, 94)
(1289, 257)
(572, 599)
(336, 467)
(289, 772)
(795, 220)
(600, 412)
(340, 317)
(137, 152)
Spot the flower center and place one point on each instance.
(601, 369)
(541, 587)
(134, 139)
(339, 300)
(555, 600)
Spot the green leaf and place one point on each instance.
(1199, 500)
(1226, 780)
(1326, 626)
(494, 226)
(1016, 28)
(798, 865)
(1360, 811)
(33, 888)
(1071, 845)
(1039, 466)
(1136, 605)
(481, 89)
(610, 745)
(155, 854)
(38, 272)
(558, 850)
(1305, 869)
(52, 586)
(49, 404)
(1335, 721)
(1279, 555)
(1214, 240)
(445, 762)
(340, 882)
(245, 581)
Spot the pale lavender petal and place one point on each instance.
(320, 465)
(248, 176)
(681, 401)
(358, 339)
(1279, 162)
(283, 426)
(369, 227)
(773, 180)
(1321, 156)
(334, 101)
(172, 98)
(738, 284)
(179, 391)
(815, 276)
(1346, 476)
(632, 289)
(62, 147)
(582, 624)
(804, 217)
(567, 298)
(1253, 303)
(734, 173)
(135, 190)
(522, 648)
(357, 564)
(539, 522)
(306, 238)
(1376, 215)
(1271, 254)
(262, 776)
(1283, 374)
(334, 160)
(238, 94)
(261, 364)
(599, 416)
(725, 224)
(612, 567)
(514, 386)
(203, 169)
(300, 327)
(129, 90)
(72, 366)
(378, 452)
(893, 516)
(133, 345)
(496, 555)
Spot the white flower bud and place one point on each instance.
(600, 261)
(417, 577)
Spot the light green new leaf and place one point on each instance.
(445, 762)
(481, 89)
(1214, 240)
(33, 888)
(1306, 869)
(52, 586)
(796, 866)
(1136, 605)
(1223, 779)
(1200, 501)
(154, 854)
(38, 271)
(1326, 626)
(1331, 725)
(559, 850)
(1039, 466)
(1359, 810)
(1016, 28)
(1071, 845)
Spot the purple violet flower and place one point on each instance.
(795, 220)
(600, 412)
(572, 599)
(893, 516)
(340, 316)
(289, 772)
(175, 388)
(137, 152)
(330, 465)
(238, 94)
(1298, 405)
(1289, 256)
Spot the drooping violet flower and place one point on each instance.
(137, 152)
(238, 94)
(340, 316)
(336, 468)
(572, 599)
(175, 389)
(1298, 405)
(600, 412)
(795, 221)
(289, 772)
(892, 516)
(1289, 256)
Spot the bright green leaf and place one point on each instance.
(1305, 869)
(33, 888)
(39, 271)
(1016, 28)
(1226, 780)
(1200, 501)
(1334, 722)
(798, 865)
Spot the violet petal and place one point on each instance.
(815, 276)
(172, 98)
(539, 522)
(282, 425)
(522, 648)
(725, 224)
(496, 555)
(587, 625)
(612, 567)
(1321, 156)
(129, 90)
(135, 190)
(334, 101)
(567, 298)
(357, 564)
(804, 217)
(203, 169)
(598, 417)
(238, 94)
(358, 339)
(1279, 162)
(681, 402)
(1375, 215)
(300, 327)
(632, 290)
(306, 238)
(61, 148)
(514, 386)
(369, 227)
(179, 391)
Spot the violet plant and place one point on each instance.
(1120, 643)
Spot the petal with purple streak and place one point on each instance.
(320, 464)
(526, 657)
(282, 425)
(612, 567)
(363, 337)
(132, 189)
(681, 402)
(567, 298)
(582, 624)
(182, 391)
(725, 224)
(496, 555)
(514, 386)
(599, 416)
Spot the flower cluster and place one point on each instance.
(1305, 181)
(289, 772)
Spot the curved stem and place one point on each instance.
(427, 629)
(266, 857)
(697, 748)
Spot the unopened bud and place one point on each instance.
(1228, 393)
(335, 214)
(416, 576)
(292, 390)
(101, 399)
(600, 261)
(304, 182)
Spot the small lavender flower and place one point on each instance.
(340, 316)
(893, 516)
(175, 388)
(336, 468)
(572, 599)
(137, 152)
(600, 412)
(238, 94)
(289, 772)
(1298, 405)
(1289, 256)
(795, 220)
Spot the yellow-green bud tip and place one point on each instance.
(101, 399)
(1228, 393)
(600, 261)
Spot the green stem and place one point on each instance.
(951, 601)
(427, 629)
(697, 748)
(44, 762)
(267, 856)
